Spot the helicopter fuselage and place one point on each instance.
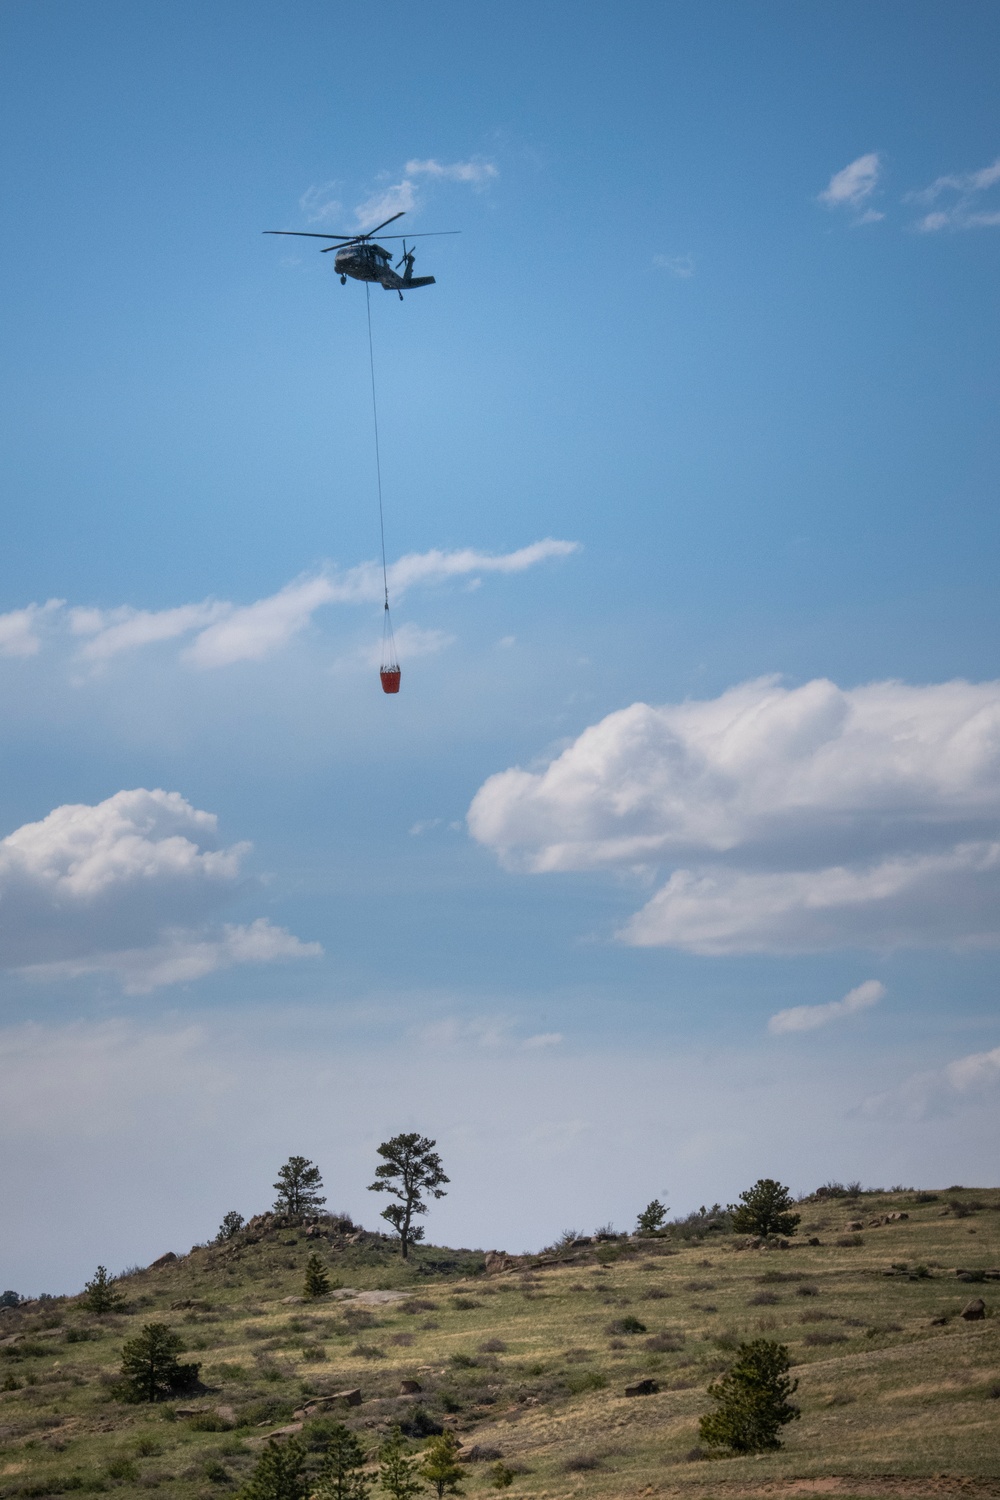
(370, 262)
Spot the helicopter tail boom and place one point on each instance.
(407, 285)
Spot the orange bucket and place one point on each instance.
(390, 679)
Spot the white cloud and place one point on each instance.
(809, 1017)
(402, 196)
(792, 819)
(182, 957)
(319, 203)
(399, 198)
(124, 887)
(225, 633)
(19, 628)
(681, 266)
(853, 185)
(124, 629)
(250, 632)
(543, 1039)
(963, 208)
(938, 1092)
(477, 171)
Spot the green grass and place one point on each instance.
(531, 1365)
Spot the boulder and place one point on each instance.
(291, 1301)
(480, 1453)
(497, 1261)
(813, 1241)
(642, 1388)
(165, 1260)
(289, 1431)
(853, 1225)
(974, 1310)
(409, 1387)
(350, 1398)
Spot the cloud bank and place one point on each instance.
(123, 888)
(790, 819)
(938, 1092)
(810, 1017)
(221, 633)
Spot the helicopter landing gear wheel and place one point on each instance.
(343, 280)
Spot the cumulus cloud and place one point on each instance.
(938, 1091)
(402, 196)
(224, 632)
(960, 199)
(853, 186)
(790, 819)
(810, 1017)
(124, 887)
(19, 628)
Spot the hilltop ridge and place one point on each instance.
(529, 1358)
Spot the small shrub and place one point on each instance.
(818, 1337)
(417, 1305)
(216, 1471)
(209, 1421)
(122, 1468)
(464, 1362)
(582, 1463)
(313, 1353)
(849, 1242)
(579, 1381)
(402, 1340)
(464, 1304)
(876, 1330)
(654, 1294)
(667, 1342)
(148, 1446)
(627, 1324)
(807, 1290)
(493, 1346)
(500, 1476)
(762, 1299)
(368, 1351)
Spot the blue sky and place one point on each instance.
(689, 464)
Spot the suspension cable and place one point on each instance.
(378, 464)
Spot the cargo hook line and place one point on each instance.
(389, 672)
(378, 464)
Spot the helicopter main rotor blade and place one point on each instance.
(369, 232)
(306, 234)
(423, 234)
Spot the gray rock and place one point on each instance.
(642, 1388)
(974, 1310)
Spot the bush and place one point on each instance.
(341, 1477)
(751, 1399)
(627, 1325)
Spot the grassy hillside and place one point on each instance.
(899, 1395)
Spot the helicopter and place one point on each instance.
(359, 257)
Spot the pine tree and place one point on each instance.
(411, 1168)
(752, 1400)
(150, 1367)
(397, 1470)
(652, 1218)
(440, 1464)
(341, 1477)
(317, 1282)
(279, 1473)
(764, 1209)
(102, 1294)
(231, 1225)
(298, 1187)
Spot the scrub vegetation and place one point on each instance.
(492, 1374)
